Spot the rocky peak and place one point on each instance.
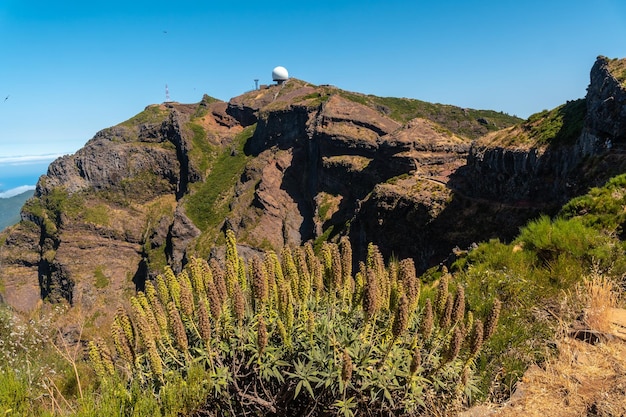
(539, 162)
(279, 166)
(606, 101)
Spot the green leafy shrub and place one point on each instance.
(299, 335)
(601, 208)
(532, 276)
(551, 239)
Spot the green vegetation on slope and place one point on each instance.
(559, 126)
(151, 114)
(203, 106)
(462, 122)
(602, 208)
(228, 337)
(201, 151)
(533, 275)
(207, 206)
(617, 67)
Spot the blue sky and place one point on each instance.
(71, 68)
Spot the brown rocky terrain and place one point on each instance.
(291, 163)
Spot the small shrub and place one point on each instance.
(102, 281)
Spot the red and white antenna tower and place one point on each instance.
(167, 94)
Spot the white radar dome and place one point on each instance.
(280, 74)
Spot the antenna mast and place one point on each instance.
(167, 94)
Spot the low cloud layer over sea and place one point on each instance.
(19, 174)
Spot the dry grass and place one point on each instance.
(583, 379)
(600, 297)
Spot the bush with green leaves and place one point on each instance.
(299, 334)
(534, 276)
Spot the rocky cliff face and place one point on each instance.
(519, 165)
(287, 164)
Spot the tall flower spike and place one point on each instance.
(492, 319)
(96, 360)
(196, 275)
(219, 280)
(282, 330)
(446, 317)
(346, 257)
(360, 283)
(317, 278)
(455, 344)
(327, 262)
(272, 289)
(231, 250)
(315, 269)
(204, 322)
(162, 290)
(310, 323)
(149, 312)
(426, 326)
(239, 303)
(304, 285)
(159, 315)
(259, 283)
(141, 320)
(154, 360)
(411, 283)
(309, 254)
(150, 291)
(215, 302)
(278, 273)
(347, 367)
(476, 340)
(416, 360)
(458, 310)
(290, 317)
(291, 272)
(173, 285)
(178, 328)
(122, 345)
(186, 295)
(442, 293)
(371, 296)
(230, 276)
(401, 319)
(335, 267)
(107, 358)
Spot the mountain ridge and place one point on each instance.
(280, 166)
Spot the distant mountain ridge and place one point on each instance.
(292, 163)
(10, 208)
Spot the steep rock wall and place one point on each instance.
(551, 173)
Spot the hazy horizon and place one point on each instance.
(20, 174)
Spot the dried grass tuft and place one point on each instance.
(600, 297)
